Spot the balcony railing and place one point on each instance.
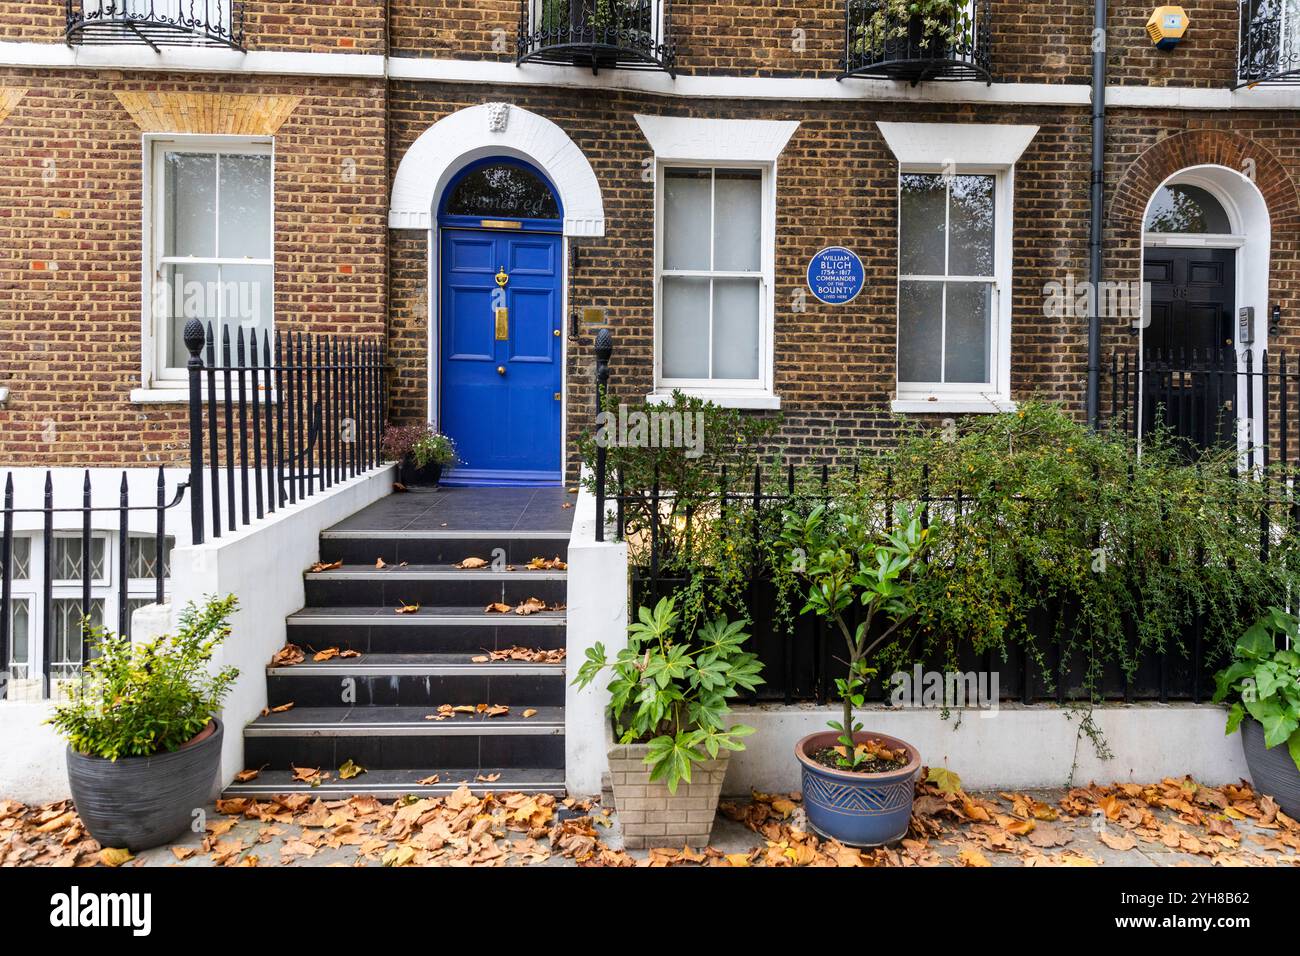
(882, 40)
(613, 34)
(156, 23)
(1269, 47)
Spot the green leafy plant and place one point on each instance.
(944, 23)
(141, 699)
(424, 444)
(847, 562)
(1264, 681)
(671, 688)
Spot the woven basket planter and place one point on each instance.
(649, 814)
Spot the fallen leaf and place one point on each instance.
(115, 857)
(530, 712)
(350, 770)
(244, 776)
(497, 608)
(320, 566)
(471, 564)
(288, 655)
(944, 779)
(408, 608)
(283, 708)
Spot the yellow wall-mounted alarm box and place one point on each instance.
(1167, 26)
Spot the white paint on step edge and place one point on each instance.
(1020, 747)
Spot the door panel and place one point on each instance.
(499, 397)
(1189, 383)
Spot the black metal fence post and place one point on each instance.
(194, 342)
(604, 349)
(6, 575)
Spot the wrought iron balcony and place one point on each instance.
(881, 39)
(1269, 42)
(614, 34)
(156, 23)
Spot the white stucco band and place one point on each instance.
(967, 144)
(494, 129)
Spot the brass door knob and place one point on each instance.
(501, 370)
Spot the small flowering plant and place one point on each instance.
(423, 444)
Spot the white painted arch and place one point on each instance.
(1252, 237)
(494, 129)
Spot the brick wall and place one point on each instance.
(335, 26)
(70, 269)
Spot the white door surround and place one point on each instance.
(1251, 234)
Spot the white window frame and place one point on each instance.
(994, 395)
(29, 590)
(734, 393)
(161, 383)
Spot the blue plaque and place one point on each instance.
(835, 275)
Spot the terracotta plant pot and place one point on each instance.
(1272, 771)
(141, 802)
(414, 476)
(857, 809)
(649, 814)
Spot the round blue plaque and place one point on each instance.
(835, 275)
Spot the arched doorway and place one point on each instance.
(1205, 256)
(501, 354)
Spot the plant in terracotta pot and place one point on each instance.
(857, 784)
(421, 450)
(1262, 685)
(144, 741)
(670, 695)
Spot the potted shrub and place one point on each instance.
(911, 29)
(1263, 685)
(858, 785)
(421, 451)
(669, 698)
(144, 741)
(606, 24)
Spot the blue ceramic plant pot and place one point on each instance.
(857, 809)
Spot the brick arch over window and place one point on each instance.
(1145, 174)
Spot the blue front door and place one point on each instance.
(500, 378)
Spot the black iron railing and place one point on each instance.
(802, 656)
(1269, 42)
(286, 418)
(610, 34)
(1210, 397)
(156, 23)
(75, 574)
(880, 42)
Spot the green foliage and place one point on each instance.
(136, 700)
(671, 688)
(847, 561)
(423, 443)
(944, 23)
(1264, 681)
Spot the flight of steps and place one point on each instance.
(375, 709)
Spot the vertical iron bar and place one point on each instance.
(313, 433)
(160, 537)
(47, 587)
(123, 555)
(272, 457)
(6, 584)
(228, 403)
(256, 374)
(214, 462)
(241, 378)
(194, 368)
(85, 566)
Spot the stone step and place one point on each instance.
(420, 680)
(440, 547)
(401, 737)
(441, 630)
(432, 585)
(392, 784)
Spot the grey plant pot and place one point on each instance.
(141, 802)
(1272, 771)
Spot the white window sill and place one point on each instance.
(4, 394)
(956, 406)
(765, 401)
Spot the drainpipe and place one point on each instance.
(1096, 200)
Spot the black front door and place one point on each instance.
(1188, 356)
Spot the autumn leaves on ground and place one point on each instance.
(1174, 822)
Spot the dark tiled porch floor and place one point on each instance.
(468, 509)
